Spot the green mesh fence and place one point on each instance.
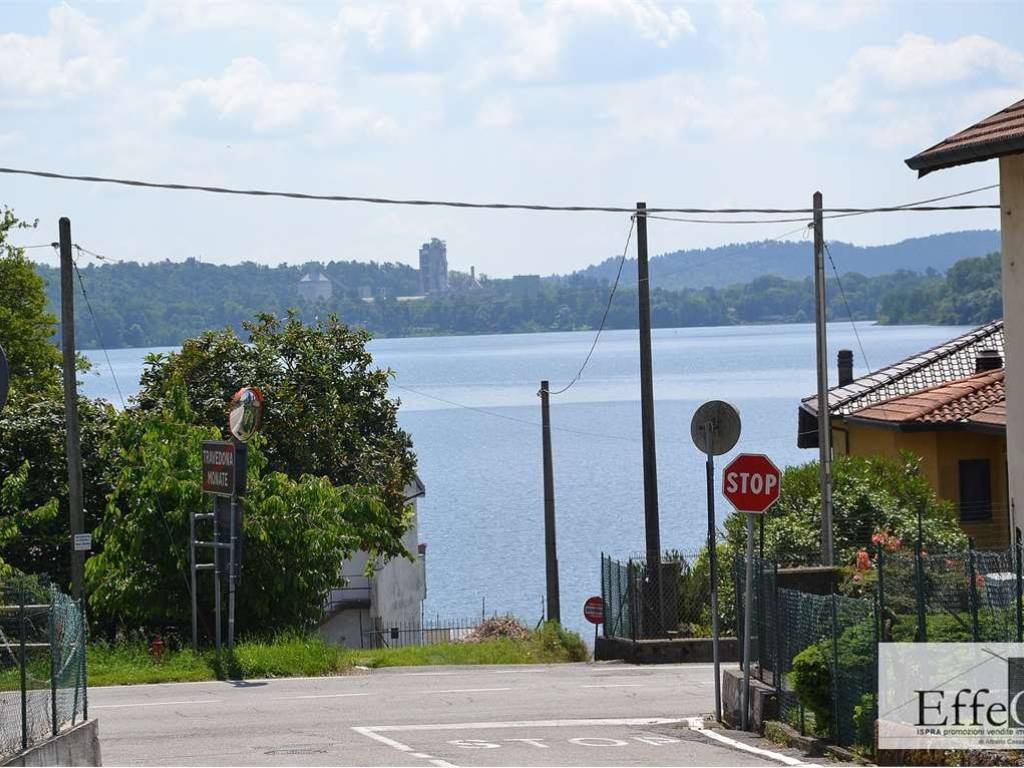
(42, 663)
(642, 602)
(971, 596)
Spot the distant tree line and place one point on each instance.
(162, 304)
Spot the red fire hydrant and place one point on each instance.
(156, 648)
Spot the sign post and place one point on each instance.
(5, 378)
(751, 484)
(593, 611)
(714, 428)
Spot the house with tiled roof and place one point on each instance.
(1000, 137)
(946, 405)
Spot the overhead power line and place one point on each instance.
(604, 317)
(479, 205)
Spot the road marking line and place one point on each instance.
(156, 704)
(372, 733)
(319, 696)
(471, 690)
(697, 724)
(615, 685)
(420, 674)
(377, 729)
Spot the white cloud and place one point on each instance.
(73, 58)
(829, 16)
(748, 28)
(247, 91)
(497, 113)
(915, 63)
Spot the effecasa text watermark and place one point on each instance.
(951, 696)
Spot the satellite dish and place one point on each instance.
(715, 427)
(5, 378)
(245, 413)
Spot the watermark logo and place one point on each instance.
(951, 696)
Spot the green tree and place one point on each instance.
(25, 325)
(298, 532)
(869, 494)
(33, 467)
(327, 407)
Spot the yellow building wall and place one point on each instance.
(940, 454)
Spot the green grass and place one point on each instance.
(550, 644)
(294, 655)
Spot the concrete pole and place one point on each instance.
(824, 414)
(74, 449)
(554, 609)
(652, 523)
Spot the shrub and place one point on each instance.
(811, 678)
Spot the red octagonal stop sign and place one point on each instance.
(751, 482)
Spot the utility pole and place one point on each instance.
(824, 413)
(67, 325)
(554, 610)
(651, 521)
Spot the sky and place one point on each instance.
(603, 102)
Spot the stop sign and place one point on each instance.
(751, 482)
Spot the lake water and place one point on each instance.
(482, 517)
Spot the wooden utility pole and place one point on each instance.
(824, 412)
(554, 609)
(74, 451)
(652, 523)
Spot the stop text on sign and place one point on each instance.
(747, 482)
(751, 483)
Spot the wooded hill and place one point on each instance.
(159, 304)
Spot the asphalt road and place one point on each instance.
(567, 714)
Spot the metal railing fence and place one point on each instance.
(42, 663)
(387, 633)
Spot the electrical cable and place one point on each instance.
(96, 326)
(849, 312)
(604, 317)
(465, 204)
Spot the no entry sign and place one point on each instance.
(751, 483)
(593, 610)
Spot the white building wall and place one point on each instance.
(394, 594)
(1011, 198)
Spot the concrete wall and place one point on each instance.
(1011, 199)
(75, 746)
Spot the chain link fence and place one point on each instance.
(643, 602)
(42, 663)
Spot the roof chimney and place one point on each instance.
(987, 360)
(472, 273)
(845, 367)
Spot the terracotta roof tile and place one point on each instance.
(979, 398)
(946, 362)
(997, 135)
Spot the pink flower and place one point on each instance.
(863, 561)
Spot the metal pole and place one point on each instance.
(975, 630)
(54, 662)
(713, 569)
(824, 413)
(23, 663)
(231, 577)
(1020, 609)
(554, 610)
(748, 598)
(192, 569)
(216, 579)
(651, 520)
(67, 329)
